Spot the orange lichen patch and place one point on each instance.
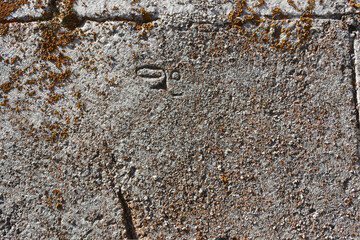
(276, 36)
(56, 191)
(80, 106)
(39, 4)
(4, 27)
(292, 3)
(6, 87)
(53, 97)
(237, 16)
(145, 24)
(30, 81)
(53, 131)
(259, 3)
(54, 199)
(277, 14)
(15, 75)
(52, 39)
(69, 17)
(31, 93)
(4, 102)
(353, 4)
(305, 23)
(224, 179)
(145, 15)
(68, 5)
(14, 59)
(6, 7)
(51, 79)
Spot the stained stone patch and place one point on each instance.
(117, 127)
(25, 10)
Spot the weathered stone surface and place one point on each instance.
(24, 10)
(43, 195)
(137, 10)
(209, 10)
(294, 8)
(177, 128)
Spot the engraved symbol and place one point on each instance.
(154, 76)
(175, 75)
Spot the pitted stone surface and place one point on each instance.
(178, 128)
(208, 10)
(295, 8)
(11, 10)
(134, 10)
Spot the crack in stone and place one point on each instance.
(80, 21)
(127, 217)
(54, 9)
(117, 18)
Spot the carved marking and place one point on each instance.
(175, 75)
(154, 76)
(150, 72)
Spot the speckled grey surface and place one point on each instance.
(169, 126)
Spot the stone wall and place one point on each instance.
(183, 119)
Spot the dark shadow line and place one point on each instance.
(127, 218)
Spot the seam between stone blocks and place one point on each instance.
(54, 8)
(355, 73)
(354, 79)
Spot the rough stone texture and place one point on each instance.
(127, 10)
(295, 8)
(24, 10)
(178, 128)
(205, 10)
